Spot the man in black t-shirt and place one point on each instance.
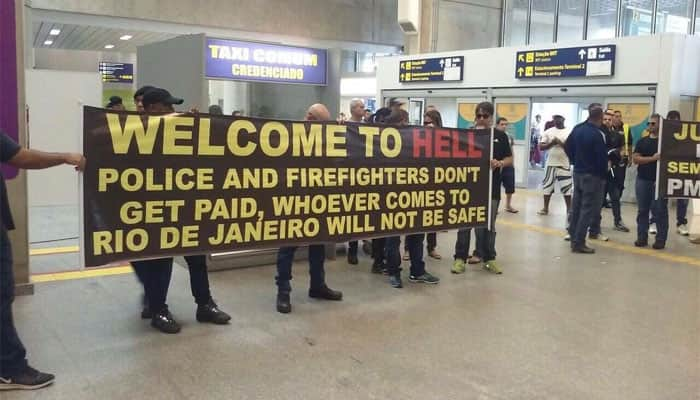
(485, 237)
(646, 156)
(15, 373)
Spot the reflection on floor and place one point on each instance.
(621, 324)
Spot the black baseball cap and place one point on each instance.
(158, 95)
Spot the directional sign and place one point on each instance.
(439, 69)
(117, 72)
(585, 61)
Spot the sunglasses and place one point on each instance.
(482, 116)
(652, 123)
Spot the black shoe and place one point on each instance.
(582, 250)
(352, 259)
(378, 268)
(210, 312)
(284, 304)
(26, 379)
(325, 293)
(641, 243)
(395, 281)
(620, 227)
(658, 245)
(164, 322)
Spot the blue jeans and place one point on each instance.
(585, 206)
(414, 242)
(285, 258)
(12, 352)
(682, 212)
(646, 202)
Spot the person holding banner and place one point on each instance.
(357, 113)
(317, 252)
(486, 237)
(646, 156)
(155, 274)
(414, 241)
(681, 204)
(15, 373)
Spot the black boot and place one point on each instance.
(284, 304)
(210, 312)
(325, 293)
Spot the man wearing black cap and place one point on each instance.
(138, 97)
(115, 103)
(155, 274)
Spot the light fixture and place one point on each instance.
(109, 46)
(48, 42)
(125, 37)
(55, 32)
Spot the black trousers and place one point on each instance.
(12, 352)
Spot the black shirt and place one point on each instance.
(615, 142)
(501, 150)
(647, 147)
(8, 149)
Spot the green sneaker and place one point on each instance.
(493, 267)
(458, 267)
(425, 278)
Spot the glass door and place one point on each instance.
(517, 111)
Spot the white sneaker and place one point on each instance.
(600, 237)
(683, 230)
(567, 237)
(652, 229)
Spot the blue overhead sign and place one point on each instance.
(251, 61)
(584, 61)
(440, 69)
(116, 72)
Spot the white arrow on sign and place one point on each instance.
(582, 53)
(442, 62)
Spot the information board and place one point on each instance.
(584, 61)
(440, 69)
(250, 61)
(117, 72)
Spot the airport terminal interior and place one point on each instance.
(552, 311)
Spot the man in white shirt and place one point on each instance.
(558, 167)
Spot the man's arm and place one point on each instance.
(35, 159)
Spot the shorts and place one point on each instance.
(508, 179)
(561, 175)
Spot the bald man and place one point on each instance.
(317, 252)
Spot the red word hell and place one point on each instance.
(444, 143)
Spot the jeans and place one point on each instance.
(464, 238)
(431, 238)
(352, 248)
(12, 352)
(486, 238)
(285, 257)
(199, 278)
(682, 212)
(414, 242)
(646, 191)
(378, 251)
(155, 276)
(586, 205)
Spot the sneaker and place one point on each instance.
(683, 230)
(425, 278)
(26, 379)
(325, 293)
(164, 322)
(434, 254)
(352, 259)
(567, 238)
(459, 267)
(641, 243)
(210, 312)
(658, 245)
(284, 304)
(492, 266)
(695, 240)
(378, 268)
(599, 236)
(582, 250)
(474, 260)
(620, 227)
(652, 229)
(395, 281)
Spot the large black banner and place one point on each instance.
(183, 184)
(679, 166)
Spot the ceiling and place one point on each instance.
(84, 37)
